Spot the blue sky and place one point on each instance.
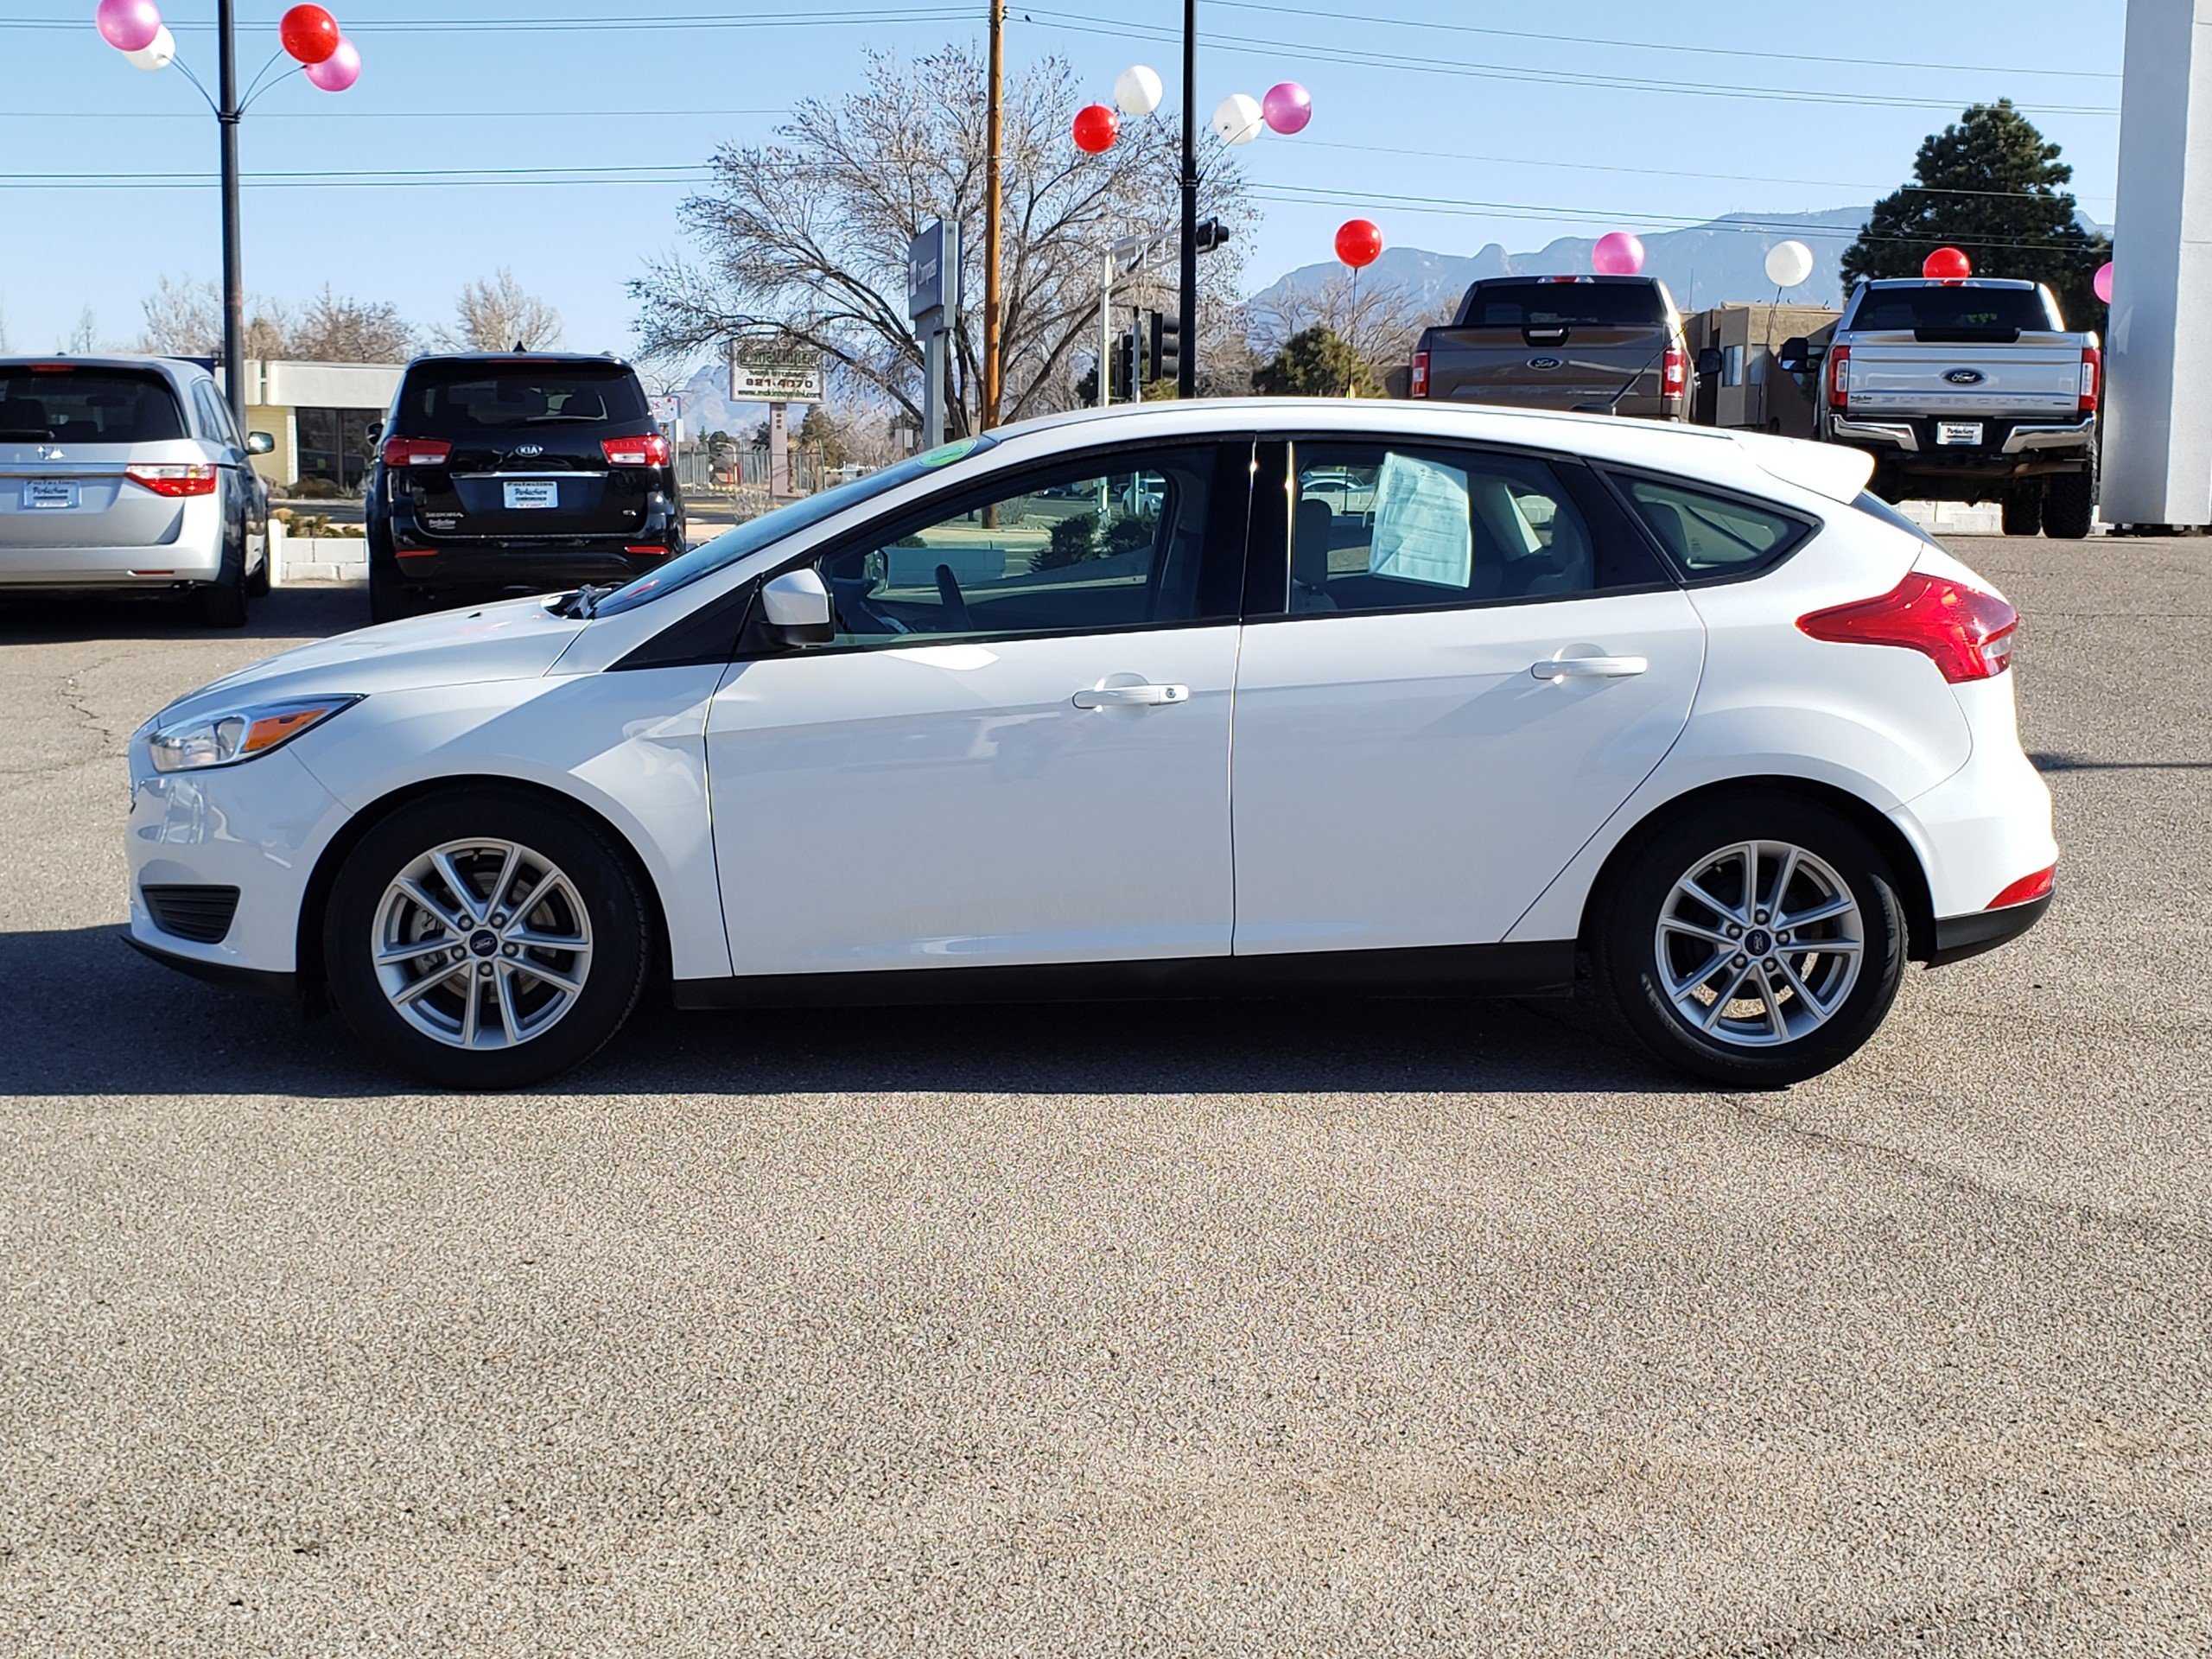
(1529, 136)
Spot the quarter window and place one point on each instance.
(1713, 535)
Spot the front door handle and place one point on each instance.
(1588, 667)
(1131, 696)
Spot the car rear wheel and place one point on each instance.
(1754, 943)
(2023, 509)
(2071, 507)
(485, 939)
(390, 600)
(222, 602)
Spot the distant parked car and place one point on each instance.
(531, 471)
(129, 475)
(1602, 345)
(1969, 389)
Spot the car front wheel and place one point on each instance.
(1754, 943)
(485, 939)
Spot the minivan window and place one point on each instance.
(457, 399)
(88, 406)
(1565, 305)
(1995, 310)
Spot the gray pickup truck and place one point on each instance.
(1610, 345)
(1971, 391)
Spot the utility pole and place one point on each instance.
(1186, 373)
(994, 132)
(226, 117)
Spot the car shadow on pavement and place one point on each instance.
(311, 612)
(95, 1018)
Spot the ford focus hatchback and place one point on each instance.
(1196, 699)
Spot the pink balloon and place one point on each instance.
(1288, 107)
(338, 71)
(1618, 254)
(2102, 281)
(129, 25)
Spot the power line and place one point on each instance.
(327, 114)
(594, 25)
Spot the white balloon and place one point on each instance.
(1137, 90)
(158, 54)
(1789, 263)
(1237, 119)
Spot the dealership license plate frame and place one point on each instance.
(48, 495)
(1959, 434)
(531, 497)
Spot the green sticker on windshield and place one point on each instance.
(945, 454)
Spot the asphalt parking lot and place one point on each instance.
(1317, 1330)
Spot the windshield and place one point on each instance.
(1944, 310)
(1565, 305)
(754, 534)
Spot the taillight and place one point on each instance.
(1676, 373)
(2093, 367)
(416, 452)
(1417, 382)
(1840, 377)
(2026, 890)
(1966, 633)
(196, 479)
(652, 450)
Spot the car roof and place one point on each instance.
(1956, 281)
(176, 368)
(600, 360)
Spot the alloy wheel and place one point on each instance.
(1759, 944)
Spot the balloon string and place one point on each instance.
(212, 107)
(253, 98)
(247, 103)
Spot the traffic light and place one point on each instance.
(1209, 235)
(1129, 370)
(1167, 352)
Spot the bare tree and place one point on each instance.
(803, 243)
(86, 336)
(336, 328)
(495, 313)
(1378, 320)
(185, 318)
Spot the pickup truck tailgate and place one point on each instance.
(1904, 375)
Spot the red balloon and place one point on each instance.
(1946, 265)
(1095, 129)
(308, 33)
(1359, 241)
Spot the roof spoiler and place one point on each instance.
(1829, 469)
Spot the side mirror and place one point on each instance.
(259, 443)
(376, 431)
(1708, 360)
(795, 608)
(1798, 355)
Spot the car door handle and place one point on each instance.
(1131, 696)
(1588, 667)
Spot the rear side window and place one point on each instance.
(456, 400)
(1710, 535)
(87, 406)
(1565, 305)
(1969, 311)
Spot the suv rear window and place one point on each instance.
(1951, 310)
(88, 406)
(1565, 305)
(457, 399)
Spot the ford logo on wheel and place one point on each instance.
(1544, 363)
(1966, 377)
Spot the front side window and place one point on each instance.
(1714, 535)
(1384, 527)
(1115, 544)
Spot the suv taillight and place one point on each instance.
(652, 450)
(196, 478)
(2093, 367)
(1840, 377)
(1675, 375)
(416, 452)
(1966, 633)
(1417, 381)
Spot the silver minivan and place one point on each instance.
(129, 474)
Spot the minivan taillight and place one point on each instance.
(1966, 633)
(1675, 375)
(652, 450)
(416, 452)
(1417, 381)
(195, 478)
(2093, 368)
(1840, 377)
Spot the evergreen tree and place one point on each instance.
(1988, 184)
(1316, 362)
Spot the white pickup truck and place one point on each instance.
(1964, 391)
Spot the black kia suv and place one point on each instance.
(533, 471)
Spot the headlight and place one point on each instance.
(236, 735)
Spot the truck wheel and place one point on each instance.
(2023, 509)
(2071, 507)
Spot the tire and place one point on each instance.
(486, 1021)
(222, 602)
(2023, 507)
(390, 600)
(2071, 507)
(1788, 1037)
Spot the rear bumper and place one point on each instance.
(2010, 448)
(561, 565)
(1958, 937)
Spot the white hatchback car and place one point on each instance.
(1212, 698)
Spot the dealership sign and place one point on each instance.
(758, 376)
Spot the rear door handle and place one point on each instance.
(1588, 667)
(1131, 696)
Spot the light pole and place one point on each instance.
(1187, 309)
(308, 34)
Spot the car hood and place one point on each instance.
(515, 639)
